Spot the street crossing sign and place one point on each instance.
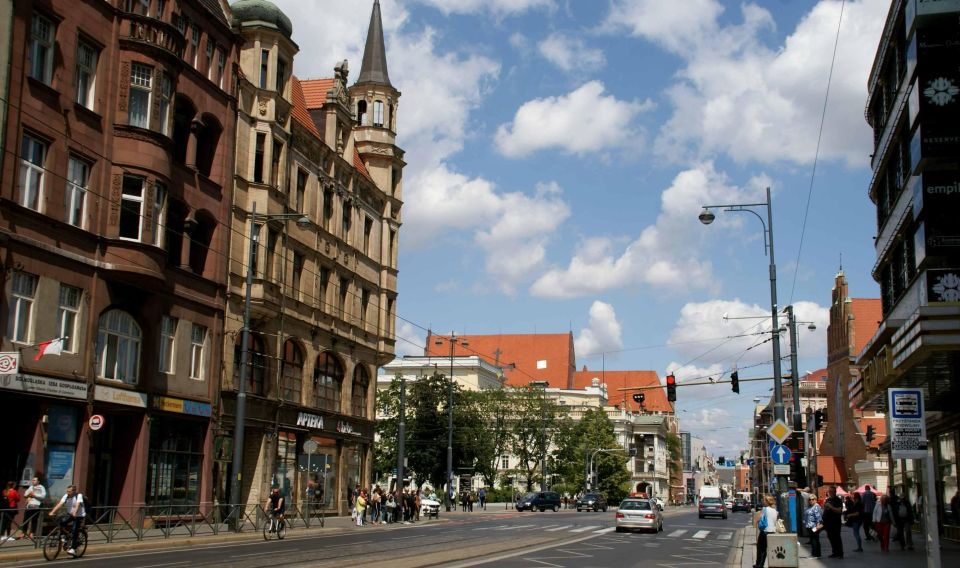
(780, 455)
(779, 431)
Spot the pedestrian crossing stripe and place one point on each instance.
(560, 528)
(725, 536)
(512, 527)
(701, 534)
(604, 531)
(585, 529)
(675, 534)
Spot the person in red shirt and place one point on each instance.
(11, 502)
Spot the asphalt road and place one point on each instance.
(507, 539)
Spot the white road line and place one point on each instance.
(604, 531)
(167, 564)
(252, 554)
(512, 527)
(701, 534)
(545, 527)
(675, 534)
(725, 536)
(560, 528)
(585, 529)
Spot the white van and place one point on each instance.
(709, 491)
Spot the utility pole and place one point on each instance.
(402, 434)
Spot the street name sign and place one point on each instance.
(781, 470)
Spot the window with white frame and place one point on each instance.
(209, 58)
(23, 291)
(159, 213)
(131, 208)
(68, 314)
(87, 56)
(168, 345)
(141, 81)
(198, 341)
(78, 176)
(504, 462)
(166, 93)
(33, 154)
(378, 113)
(118, 347)
(41, 49)
(194, 45)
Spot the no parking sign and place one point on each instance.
(96, 422)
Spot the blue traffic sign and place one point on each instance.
(751, 461)
(780, 454)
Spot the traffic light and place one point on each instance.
(818, 419)
(671, 388)
(735, 382)
(639, 398)
(633, 449)
(870, 433)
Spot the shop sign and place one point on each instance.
(9, 363)
(181, 406)
(908, 433)
(120, 396)
(931, 7)
(308, 420)
(35, 384)
(346, 428)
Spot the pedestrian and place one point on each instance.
(470, 501)
(902, 518)
(361, 506)
(855, 519)
(869, 503)
(11, 500)
(417, 503)
(391, 508)
(813, 521)
(375, 505)
(832, 521)
(766, 523)
(35, 495)
(906, 516)
(881, 521)
(482, 495)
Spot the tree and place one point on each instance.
(427, 428)
(675, 451)
(495, 410)
(387, 429)
(534, 418)
(576, 442)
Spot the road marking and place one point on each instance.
(560, 528)
(675, 534)
(725, 536)
(701, 534)
(585, 529)
(167, 564)
(606, 530)
(252, 554)
(511, 527)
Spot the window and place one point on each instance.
(324, 284)
(281, 75)
(346, 221)
(41, 49)
(161, 6)
(271, 253)
(166, 93)
(292, 372)
(344, 291)
(258, 157)
(301, 191)
(264, 67)
(378, 113)
(257, 363)
(358, 396)
(198, 360)
(86, 73)
(118, 347)
(174, 465)
(194, 49)
(221, 66)
(327, 382)
(298, 260)
(327, 209)
(141, 77)
(211, 45)
(367, 230)
(131, 208)
(78, 175)
(33, 153)
(275, 168)
(159, 209)
(23, 289)
(168, 342)
(361, 112)
(504, 462)
(364, 306)
(141, 7)
(67, 316)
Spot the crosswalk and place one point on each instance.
(695, 535)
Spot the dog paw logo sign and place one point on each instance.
(780, 552)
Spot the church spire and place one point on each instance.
(374, 66)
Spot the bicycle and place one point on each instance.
(60, 539)
(277, 525)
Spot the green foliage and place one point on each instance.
(675, 451)
(577, 441)
(387, 429)
(534, 418)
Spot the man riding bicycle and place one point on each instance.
(75, 515)
(276, 504)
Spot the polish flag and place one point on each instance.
(52, 347)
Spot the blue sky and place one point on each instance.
(559, 152)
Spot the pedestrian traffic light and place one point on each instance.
(735, 382)
(818, 419)
(671, 388)
(870, 433)
(639, 398)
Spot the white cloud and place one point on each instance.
(664, 255)
(410, 339)
(580, 122)
(571, 53)
(495, 7)
(676, 26)
(603, 333)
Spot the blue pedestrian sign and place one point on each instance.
(780, 454)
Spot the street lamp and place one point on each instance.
(240, 418)
(706, 217)
(453, 340)
(542, 385)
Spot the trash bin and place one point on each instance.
(782, 550)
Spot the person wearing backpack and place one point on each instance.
(766, 524)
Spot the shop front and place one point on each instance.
(117, 448)
(180, 439)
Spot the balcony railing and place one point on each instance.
(154, 32)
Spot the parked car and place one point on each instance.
(712, 506)
(728, 504)
(658, 501)
(429, 508)
(541, 501)
(592, 502)
(741, 505)
(639, 514)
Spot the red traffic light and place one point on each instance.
(671, 388)
(671, 380)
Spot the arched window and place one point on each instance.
(358, 398)
(183, 113)
(257, 363)
(327, 382)
(118, 347)
(378, 113)
(291, 373)
(361, 112)
(200, 237)
(207, 139)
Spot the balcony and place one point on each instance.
(154, 32)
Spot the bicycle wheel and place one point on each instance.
(281, 529)
(51, 545)
(81, 543)
(267, 529)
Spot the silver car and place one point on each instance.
(639, 514)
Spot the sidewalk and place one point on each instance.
(871, 557)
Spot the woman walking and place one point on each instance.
(881, 522)
(11, 499)
(766, 523)
(813, 520)
(855, 519)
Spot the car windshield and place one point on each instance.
(529, 496)
(710, 501)
(628, 505)
(590, 497)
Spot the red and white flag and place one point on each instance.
(52, 347)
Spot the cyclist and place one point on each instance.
(276, 505)
(75, 515)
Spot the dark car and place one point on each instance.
(712, 506)
(741, 505)
(540, 501)
(592, 502)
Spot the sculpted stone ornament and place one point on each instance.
(338, 92)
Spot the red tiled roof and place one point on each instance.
(361, 167)
(879, 430)
(867, 315)
(655, 400)
(818, 375)
(315, 91)
(554, 352)
(300, 113)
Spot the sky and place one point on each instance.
(559, 153)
